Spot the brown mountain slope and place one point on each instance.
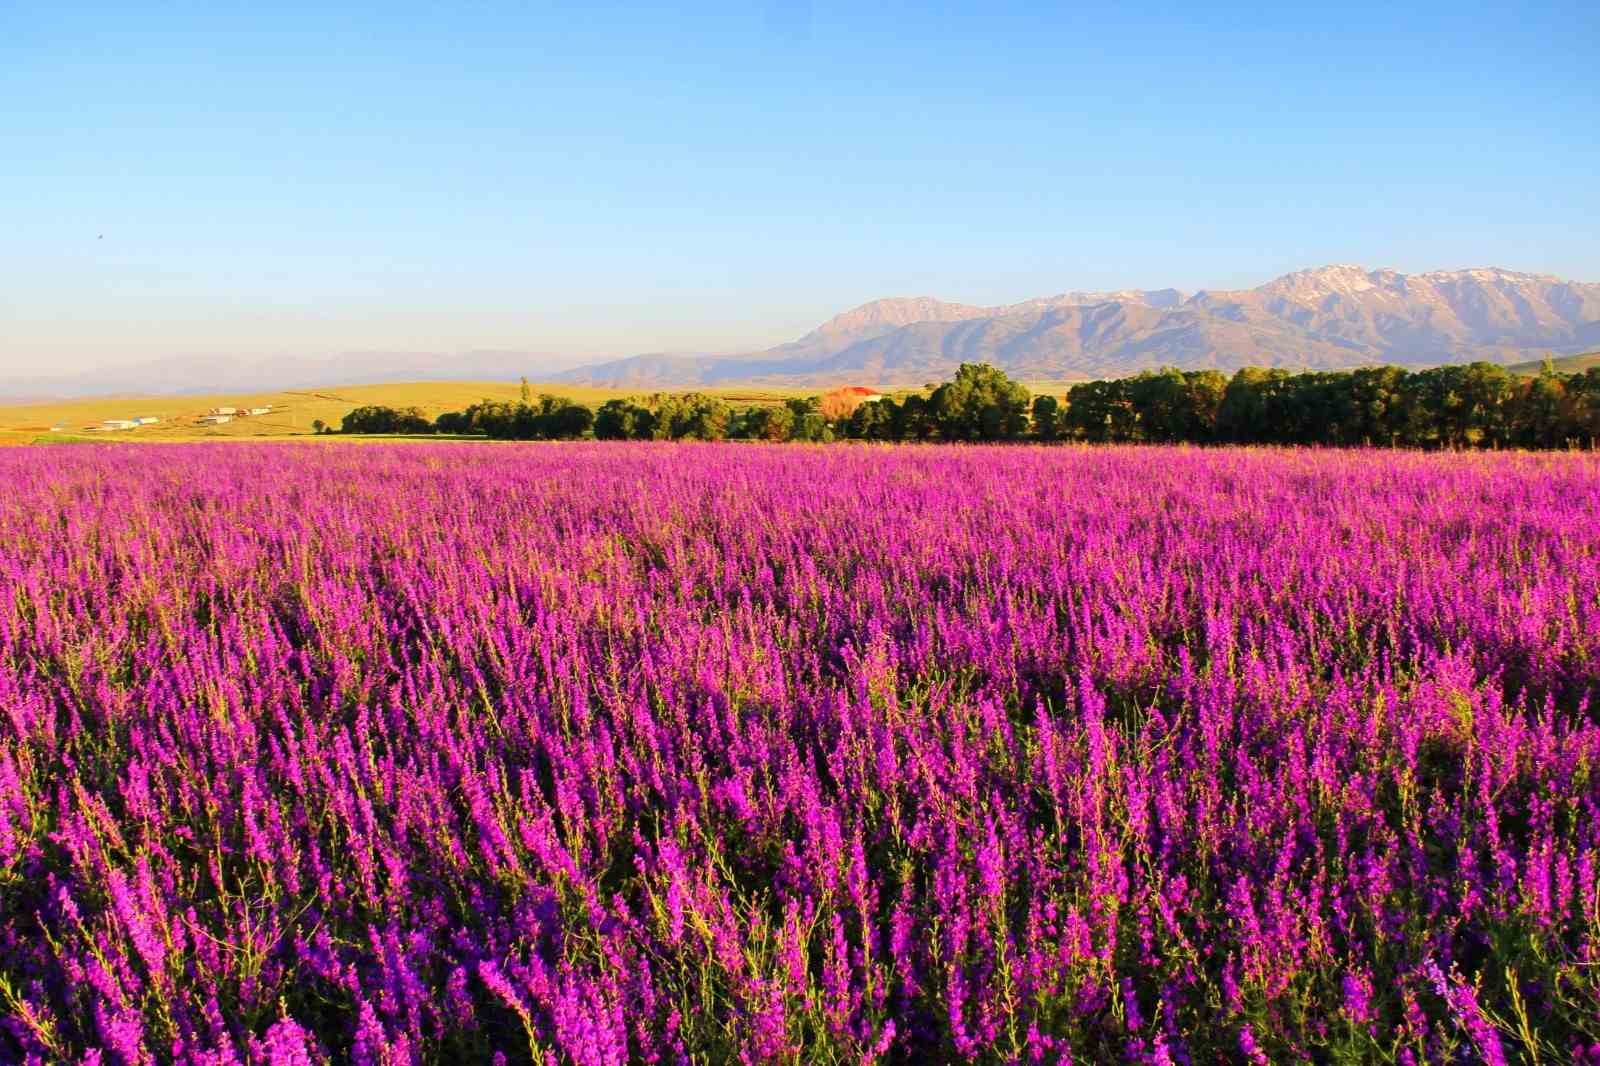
(1418, 317)
(1335, 316)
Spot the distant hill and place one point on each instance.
(1566, 364)
(1330, 317)
(194, 375)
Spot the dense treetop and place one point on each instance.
(1477, 405)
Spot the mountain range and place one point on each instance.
(1330, 317)
(1325, 318)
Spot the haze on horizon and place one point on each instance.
(302, 181)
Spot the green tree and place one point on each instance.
(568, 422)
(624, 420)
(807, 422)
(914, 419)
(495, 420)
(1046, 414)
(981, 403)
(1460, 406)
(1538, 415)
(375, 418)
(1251, 405)
(1205, 390)
(766, 423)
(691, 416)
(1100, 412)
(1490, 390)
(453, 422)
(874, 421)
(1370, 406)
(1585, 392)
(1171, 405)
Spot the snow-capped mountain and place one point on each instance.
(1333, 316)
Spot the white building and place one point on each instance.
(118, 423)
(217, 420)
(223, 411)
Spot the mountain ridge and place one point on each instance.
(1334, 316)
(1327, 317)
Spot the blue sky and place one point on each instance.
(597, 179)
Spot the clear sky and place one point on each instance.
(583, 180)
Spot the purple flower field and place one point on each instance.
(633, 753)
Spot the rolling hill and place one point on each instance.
(1566, 364)
(222, 373)
(1330, 317)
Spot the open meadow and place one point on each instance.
(611, 753)
(293, 413)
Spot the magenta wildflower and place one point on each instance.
(605, 754)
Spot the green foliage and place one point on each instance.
(915, 420)
(806, 421)
(624, 420)
(763, 423)
(1100, 411)
(492, 419)
(1478, 405)
(1374, 408)
(691, 416)
(981, 403)
(1175, 406)
(453, 422)
(1274, 407)
(1046, 418)
(872, 421)
(377, 419)
(549, 418)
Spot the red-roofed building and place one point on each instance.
(838, 403)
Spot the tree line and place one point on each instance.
(1477, 405)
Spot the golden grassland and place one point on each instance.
(295, 410)
(1566, 364)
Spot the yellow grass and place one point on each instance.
(1057, 389)
(293, 411)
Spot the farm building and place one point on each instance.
(146, 420)
(259, 410)
(216, 411)
(217, 419)
(118, 423)
(841, 401)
